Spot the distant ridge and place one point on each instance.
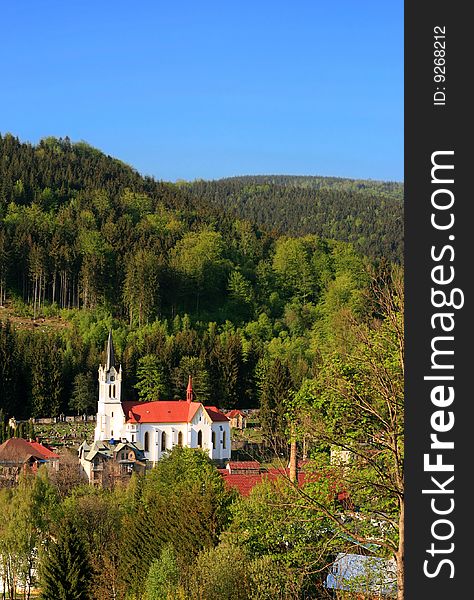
(365, 212)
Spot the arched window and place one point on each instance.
(224, 441)
(199, 439)
(213, 438)
(113, 391)
(180, 438)
(163, 441)
(147, 442)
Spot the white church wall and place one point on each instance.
(222, 448)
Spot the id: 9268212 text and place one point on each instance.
(439, 65)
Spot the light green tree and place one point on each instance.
(163, 576)
(26, 514)
(354, 408)
(150, 379)
(220, 572)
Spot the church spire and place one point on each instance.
(189, 390)
(110, 360)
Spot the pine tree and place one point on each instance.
(275, 390)
(84, 397)
(65, 571)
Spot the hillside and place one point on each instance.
(87, 244)
(367, 213)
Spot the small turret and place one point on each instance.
(189, 390)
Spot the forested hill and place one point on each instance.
(367, 213)
(55, 170)
(87, 244)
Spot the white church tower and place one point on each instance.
(110, 415)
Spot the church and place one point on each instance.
(153, 428)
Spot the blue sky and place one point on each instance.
(184, 90)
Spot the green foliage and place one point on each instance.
(86, 245)
(276, 385)
(219, 572)
(141, 286)
(27, 513)
(276, 525)
(355, 409)
(271, 579)
(163, 576)
(65, 571)
(150, 383)
(181, 502)
(368, 214)
(194, 366)
(84, 396)
(98, 515)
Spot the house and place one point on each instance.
(106, 462)
(238, 419)
(18, 455)
(371, 576)
(156, 427)
(242, 476)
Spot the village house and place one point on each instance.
(151, 428)
(18, 455)
(106, 462)
(238, 419)
(243, 475)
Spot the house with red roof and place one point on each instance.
(242, 476)
(238, 419)
(18, 455)
(156, 427)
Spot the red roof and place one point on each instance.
(234, 413)
(19, 450)
(215, 414)
(243, 483)
(161, 411)
(46, 452)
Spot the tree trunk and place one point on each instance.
(53, 295)
(293, 462)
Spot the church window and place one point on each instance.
(213, 437)
(112, 433)
(110, 391)
(113, 390)
(180, 438)
(163, 441)
(224, 441)
(112, 415)
(147, 443)
(133, 437)
(199, 439)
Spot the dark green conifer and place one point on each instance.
(65, 571)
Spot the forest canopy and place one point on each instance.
(188, 275)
